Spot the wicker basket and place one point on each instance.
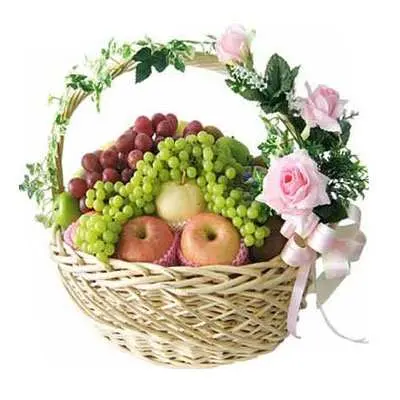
(179, 316)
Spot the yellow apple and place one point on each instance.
(178, 202)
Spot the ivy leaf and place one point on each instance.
(143, 55)
(143, 71)
(126, 51)
(331, 213)
(159, 60)
(179, 64)
(251, 94)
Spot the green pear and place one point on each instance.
(239, 151)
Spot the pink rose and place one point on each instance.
(323, 107)
(70, 233)
(293, 185)
(233, 45)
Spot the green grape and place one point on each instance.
(250, 228)
(99, 185)
(259, 233)
(218, 166)
(224, 212)
(100, 226)
(152, 173)
(113, 211)
(129, 187)
(102, 257)
(140, 202)
(164, 154)
(84, 247)
(107, 219)
(98, 205)
(235, 194)
(114, 226)
(158, 165)
(208, 166)
(120, 217)
(98, 246)
(237, 221)
(149, 208)
(216, 209)
(210, 139)
(169, 143)
(176, 174)
(230, 173)
(210, 188)
(90, 236)
(148, 197)
(218, 189)
(231, 212)
(201, 181)
(208, 154)
(138, 191)
(183, 155)
(252, 213)
(132, 198)
(255, 204)
(108, 187)
(161, 146)
(241, 210)
(90, 194)
(197, 151)
(207, 197)
(109, 249)
(202, 137)
(191, 172)
(109, 237)
(90, 249)
(219, 201)
(117, 201)
(230, 202)
(148, 157)
(249, 240)
(210, 177)
(146, 169)
(180, 144)
(191, 138)
(243, 231)
(259, 242)
(147, 187)
(223, 180)
(164, 175)
(128, 211)
(267, 231)
(136, 180)
(184, 165)
(123, 192)
(78, 241)
(117, 186)
(138, 175)
(89, 202)
(173, 162)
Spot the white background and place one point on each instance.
(48, 348)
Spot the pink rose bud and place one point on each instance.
(233, 45)
(322, 108)
(293, 185)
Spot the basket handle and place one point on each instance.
(77, 96)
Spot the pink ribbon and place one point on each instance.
(338, 245)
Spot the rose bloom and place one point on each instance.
(233, 45)
(322, 108)
(293, 185)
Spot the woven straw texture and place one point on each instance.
(179, 316)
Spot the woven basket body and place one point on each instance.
(182, 316)
(179, 316)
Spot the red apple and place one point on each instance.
(210, 239)
(144, 239)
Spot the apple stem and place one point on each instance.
(183, 177)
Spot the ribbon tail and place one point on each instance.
(296, 299)
(336, 332)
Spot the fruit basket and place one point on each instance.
(181, 246)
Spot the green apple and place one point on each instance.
(66, 210)
(178, 202)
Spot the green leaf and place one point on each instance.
(331, 213)
(143, 55)
(143, 71)
(126, 51)
(159, 60)
(345, 125)
(276, 73)
(251, 94)
(179, 64)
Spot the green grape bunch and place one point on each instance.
(195, 157)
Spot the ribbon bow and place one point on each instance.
(338, 245)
